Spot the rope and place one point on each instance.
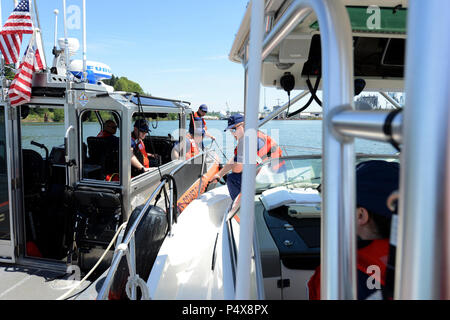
(96, 265)
(221, 150)
(137, 282)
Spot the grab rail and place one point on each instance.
(123, 248)
(338, 258)
(127, 246)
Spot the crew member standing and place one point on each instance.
(198, 124)
(267, 148)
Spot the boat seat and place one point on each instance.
(163, 147)
(98, 213)
(105, 153)
(33, 171)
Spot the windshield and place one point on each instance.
(299, 172)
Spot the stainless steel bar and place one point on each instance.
(123, 247)
(258, 267)
(133, 228)
(275, 113)
(392, 101)
(293, 16)
(131, 260)
(338, 259)
(367, 125)
(102, 295)
(338, 225)
(421, 269)
(249, 140)
(169, 232)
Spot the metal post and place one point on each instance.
(338, 225)
(275, 113)
(421, 270)
(66, 42)
(171, 213)
(338, 259)
(39, 42)
(84, 43)
(2, 61)
(16, 65)
(392, 101)
(56, 12)
(249, 166)
(367, 125)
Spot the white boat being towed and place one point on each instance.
(270, 250)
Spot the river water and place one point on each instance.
(301, 136)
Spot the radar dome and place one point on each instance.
(74, 45)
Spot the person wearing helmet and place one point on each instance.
(376, 180)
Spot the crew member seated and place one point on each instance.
(140, 157)
(109, 131)
(376, 180)
(192, 147)
(104, 152)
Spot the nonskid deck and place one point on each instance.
(27, 283)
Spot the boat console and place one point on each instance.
(296, 235)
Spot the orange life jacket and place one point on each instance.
(375, 254)
(193, 150)
(269, 150)
(104, 134)
(196, 117)
(144, 159)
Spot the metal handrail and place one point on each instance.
(338, 259)
(124, 246)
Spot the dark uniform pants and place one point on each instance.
(234, 184)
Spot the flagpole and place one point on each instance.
(39, 30)
(66, 41)
(56, 12)
(16, 65)
(84, 43)
(2, 61)
(66, 51)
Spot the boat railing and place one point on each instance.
(421, 256)
(127, 246)
(338, 258)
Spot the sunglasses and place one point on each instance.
(235, 128)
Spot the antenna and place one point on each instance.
(39, 41)
(56, 12)
(84, 43)
(66, 42)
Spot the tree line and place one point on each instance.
(57, 115)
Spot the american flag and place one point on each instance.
(20, 89)
(18, 23)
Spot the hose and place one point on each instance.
(64, 296)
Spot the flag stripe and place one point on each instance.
(19, 22)
(10, 47)
(20, 89)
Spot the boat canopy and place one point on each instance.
(378, 31)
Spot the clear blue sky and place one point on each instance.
(172, 48)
